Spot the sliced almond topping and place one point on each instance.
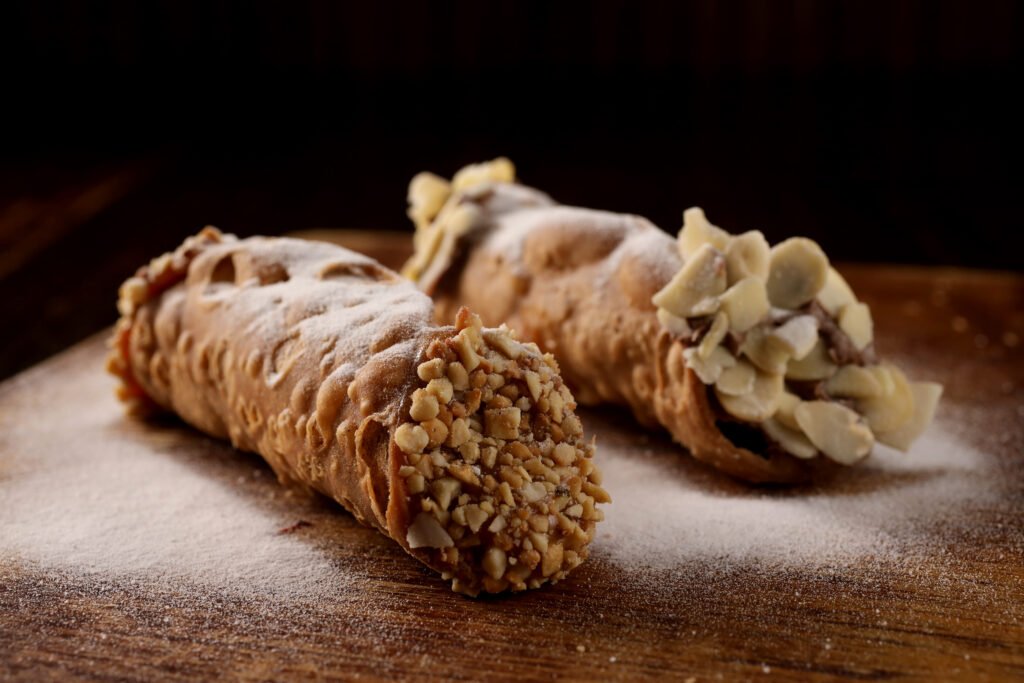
(698, 231)
(855, 321)
(836, 293)
(710, 369)
(674, 324)
(797, 336)
(758, 405)
(792, 441)
(890, 411)
(737, 380)
(814, 366)
(798, 271)
(784, 415)
(926, 399)
(762, 352)
(714, 336)
(853, 381)
(746, 303)
(427, 532)
(837, 431)
(747, 255)
(500, 170)
(427, 194)
(701, 277)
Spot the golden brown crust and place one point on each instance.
(311, 355)
(579, 283)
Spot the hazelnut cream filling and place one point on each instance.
(500, 483)
(782, 341)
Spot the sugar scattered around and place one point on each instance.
(892, 509)
(89, 499)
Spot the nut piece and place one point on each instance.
(701, 277)
(424, 406)
(763, 352)
(698, 231)
(737, 380)
(758, 405)
(784, 415)
(746, 303)
(502, 423)
(853, 381)
(445, 490)
(890, 411)
(714, 336)
(836, 430)
(500, 170)
(411, 438)
(674, 324)
(494, 562)
(747, 255)
(430, 369)
(855, 321)
(709, 369)
(926, 399)
(814, 366)
(427, 532)
(797, 274)
(441, 388)
(797, 336)
(427, 194)
(792, 441)
(836, 293)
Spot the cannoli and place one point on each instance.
(459, 443)
(760, 360)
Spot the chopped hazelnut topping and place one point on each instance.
(427, 532)
(436, 432)
(424, 406)
(444, 490)
(494, 562)
(503, 423)
(441, 388)
(431, 369)
(411, 438)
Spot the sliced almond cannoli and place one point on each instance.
(758, 359)
(459, 443)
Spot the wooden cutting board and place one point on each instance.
(245, 591)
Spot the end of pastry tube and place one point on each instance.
(785, 352)
(500, 487)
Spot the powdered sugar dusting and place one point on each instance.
(890, 510)
(90, 499)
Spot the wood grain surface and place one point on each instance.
(955, 613)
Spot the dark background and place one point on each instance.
(888, 131)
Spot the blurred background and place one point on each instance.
(888, 131)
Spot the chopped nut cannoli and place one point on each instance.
(444, 438)
(760, 360)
